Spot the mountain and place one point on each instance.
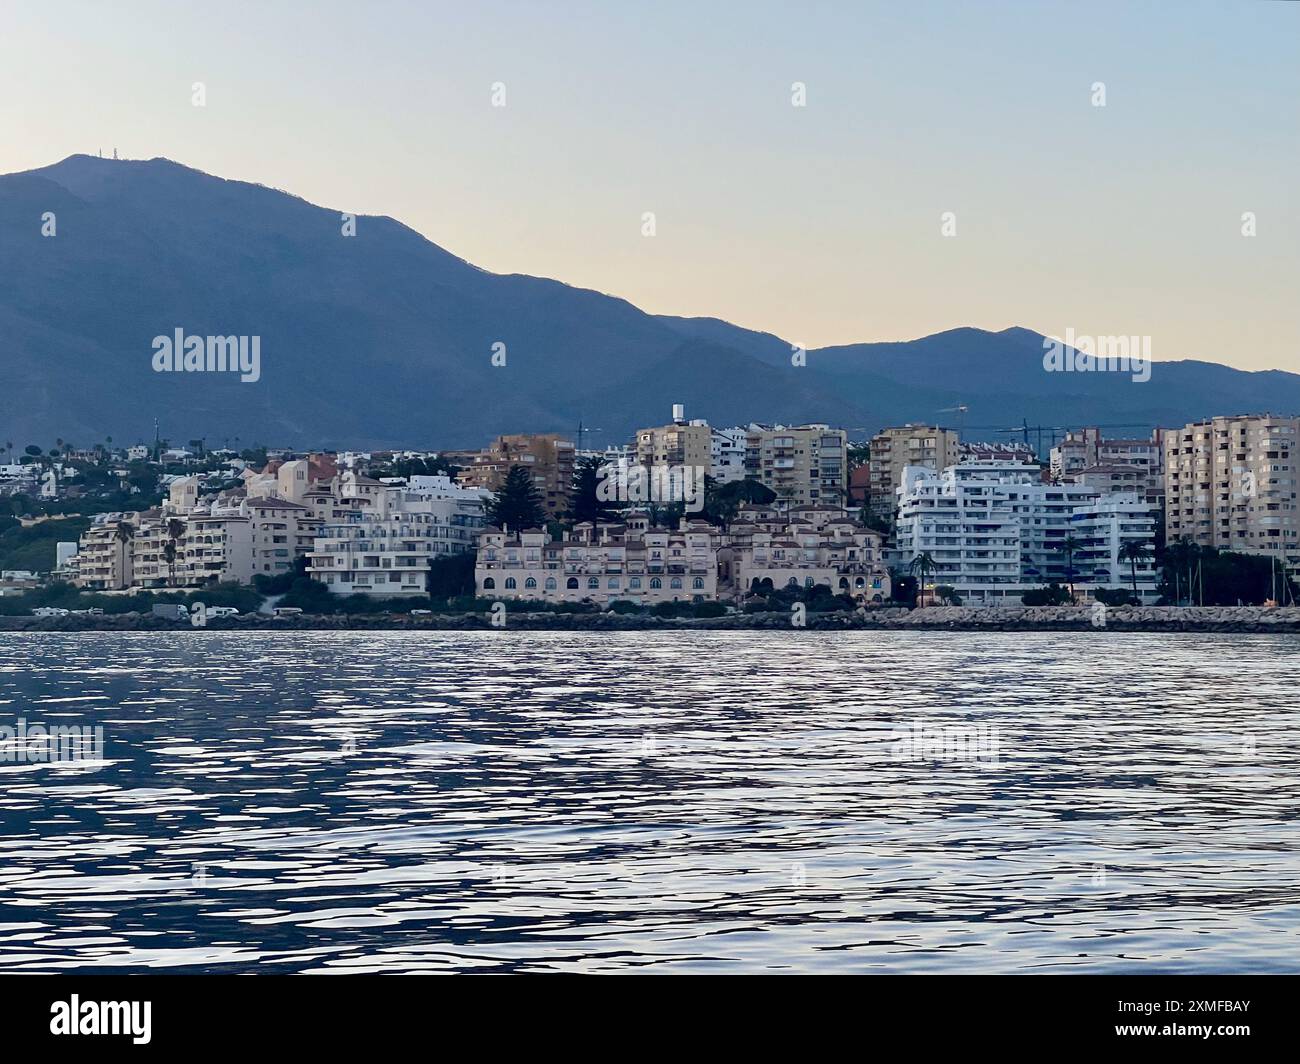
(384, 338)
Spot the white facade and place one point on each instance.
(384, 549)
(727, 461)
(994, 530)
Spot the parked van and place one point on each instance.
(222, 611)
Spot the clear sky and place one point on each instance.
(820, 223)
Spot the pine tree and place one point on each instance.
(518, 505)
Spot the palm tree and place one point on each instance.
(923, 564)
(1134, 551)
(175, 529)
(1069, 546)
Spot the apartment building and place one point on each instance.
(1231, 483)
(383, 547)
(104, 557)
(803, 464)
(606, 562)
(682, 443)
(840, 554)
(1085, 456)
(994, 529)
(547, 456)
(893, 449)
(727, 454)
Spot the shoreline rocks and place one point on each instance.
(929, 618)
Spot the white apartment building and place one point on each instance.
(603, 563)
(383, 546)
(1231, 483)
(995, 530)
(728, 455)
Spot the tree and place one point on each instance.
(1069, 546)
(175, 529)
(451, 576)
(518, 505)
(1052, 595)
(921, 566)
(1134, 551)
(584, 505)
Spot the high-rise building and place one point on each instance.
(547, 456)
(681, 443)
(804, 464)
(1231, 483)
(893, 449)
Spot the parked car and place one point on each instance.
(222, 611)
(421, 613)
(49, 611)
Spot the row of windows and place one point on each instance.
(593, 583)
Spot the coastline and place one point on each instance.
(957, 618)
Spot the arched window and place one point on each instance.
(550, 583)
(675, 583)
(859, 582)
(844, 583)
(510, 583)
(792, 582)
(530, 582)
(593, 582)
(572, 583)
(635, 583)
(612, 583)
(489, 584)
(809, 581)
(655, 583)
(698, 583)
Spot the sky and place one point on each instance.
(822, 223)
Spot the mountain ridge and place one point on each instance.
(386, 339)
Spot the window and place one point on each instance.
(635, 583)
(530, 582)
(675, 583)
(593, 582)
(550, 583)
(489, 584)
(655, 583)
(698, 583)
(572, 583)
(510, 583)
(613, 583)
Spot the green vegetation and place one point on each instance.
(33, 548)
(518, 505)
(1052, 595)
(1206, 576)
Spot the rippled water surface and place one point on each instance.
(335, 802)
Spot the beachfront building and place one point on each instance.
(1231, 483)
(628, 561)
(384, 547)
(994, 530)
(840, 554)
